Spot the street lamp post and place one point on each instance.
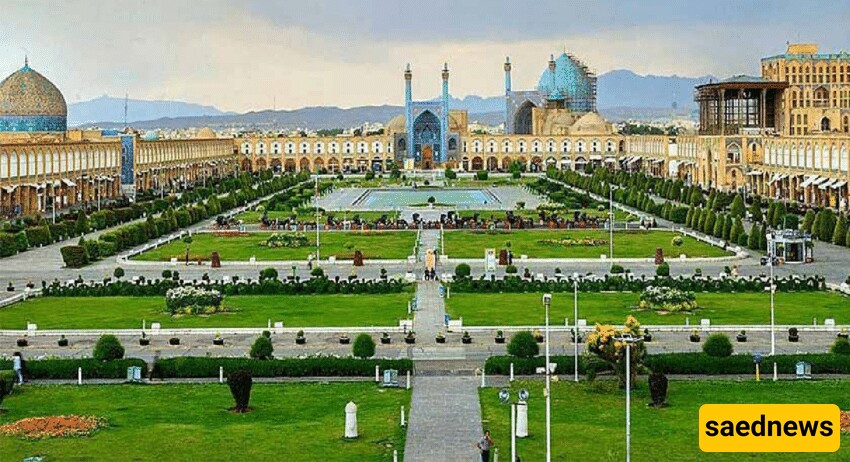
(575, 324)
(611, 221)
(770, 251)
(547, 300)
(628, 340)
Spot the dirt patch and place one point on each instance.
(845, 422)
(53, 427)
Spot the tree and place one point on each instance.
(450, 174)
(658, 388)
(755, 211)
(663, 269)
(718, 346)
(737, 230)
(719, 224)
(523, 345)
(603, 343)
(364, 346)
(708, 226)
(108, 348)
(240, 383)
(262, 348)
(82, 224)
(462, 270)
(839, 234)
(118, 272)
(808, 221)
(753, 241)
(727, 228)
(737, 207)
(268, 274)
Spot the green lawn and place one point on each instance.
(627, 244)
(192, 422)
(250, 311)
(376, 245)
(252, 217)
(588, 422)
(612, 308)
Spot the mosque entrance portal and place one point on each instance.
(427, 157)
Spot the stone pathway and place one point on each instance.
(445, 420)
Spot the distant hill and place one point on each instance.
(107, 108)
(621, 94)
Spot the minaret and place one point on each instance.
(552, 71)
(444, 118)
(507, 74)
(408, 113)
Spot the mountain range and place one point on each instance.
(622, 95)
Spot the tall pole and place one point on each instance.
(513, 432)
(628, 402)
(772, 290)
(611, 220)
(316, 199)
(575, 324)
(547, 299)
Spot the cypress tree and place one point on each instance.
(839, 234)
(737, 231)
(808, 221)
(719, 225)
(708, 226)
(727, 228)
(755, 211)
(737, 207)
(753, 241)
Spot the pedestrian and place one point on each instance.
(484, 446)
(17, 366)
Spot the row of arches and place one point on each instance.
(161, 152)
(521, 145)
(26, 161)
(328, 146)
(827, 155)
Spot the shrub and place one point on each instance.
(617, 269)
(108, 348)
(262, 348)
(166, 274)
(268, 273)
(717, 346)
(240, 383)
(118, 273)
(317, 272)
(523, 345)
(463, 270)
(840, 347)
(39, 235)
(677, 241)
(663, 269)
(510, 269)
(481, 175)
(658, 388)
(364, 346)
(74, 256)
(313, 366)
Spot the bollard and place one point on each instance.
(79, 376)
(496, 455)
(483, 378)
(403, 422)
(269, 324)
(395, 455)
(377, 373)
(775, 375)
(221, 374)
(408, 380)
(350, 420)
(512, 372)
(522, 419)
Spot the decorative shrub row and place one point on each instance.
(67, 368)
(317, 366)
(316, 285)
(680, 363)
(636, 284)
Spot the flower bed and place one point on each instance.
(193, 300)
(573, 242)
(62, 426)
(286, 240)
(667, 300)
(845, 422)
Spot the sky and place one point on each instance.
(253, 55)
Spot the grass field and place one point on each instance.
(252, 217)
(376, 245)
(588, 422)
(627, 244)
(612, 308)
(249, 311)
(192, 422)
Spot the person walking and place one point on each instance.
(17, 366)
(484, 446)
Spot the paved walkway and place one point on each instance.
(445, 420)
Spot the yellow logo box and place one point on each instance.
(769, 428)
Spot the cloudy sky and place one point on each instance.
(245, 55)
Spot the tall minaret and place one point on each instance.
(444, 118)
(408, 113)
(507, 74)
(552, 71)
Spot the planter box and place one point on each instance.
(386, 340)
(174, 341)
(500, 339)
(344, 340)
(647, 338)
(441, 339)
(466, 340)
(794, 338)
(741, 338)
(218, 341)
(63, 342)
(540, 339)
(300, 340)
(22, 342)
(410, 340)
(843, 335)
(694, 338)
(144, 341)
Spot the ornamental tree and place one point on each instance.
(603, 343)
(737, 207)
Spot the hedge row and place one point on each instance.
(635, 284)
(320, 366)
(681, 363)
(67, 368)
(159, 287)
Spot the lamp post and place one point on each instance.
(771, 250)
(575, 324)
(628, 339)
(611, 221)
(547, 301)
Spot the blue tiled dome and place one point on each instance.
(31, 103)
(571, 82)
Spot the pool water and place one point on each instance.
(376, 198)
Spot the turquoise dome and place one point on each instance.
(31, 103)
(571, 82)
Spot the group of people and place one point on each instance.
(430, 274)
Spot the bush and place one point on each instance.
(66, 369)
(717, 346)
(108, 348)
(617, 269)
(317, 272)
(840, 347)
(166, 274)
(262, 348)
(74, 256)
(118, 273)
(658, 388)
(314, 366)
(663, 269)
(268, 273)
(463, 270)
(38, 236)
(510, 269)
(523, 345)
(481, 175)
(7, 383)
(364, 346)
(240, 383)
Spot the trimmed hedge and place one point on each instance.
(319, 366)
(74, 256)
(67, 368)
(683, 363)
